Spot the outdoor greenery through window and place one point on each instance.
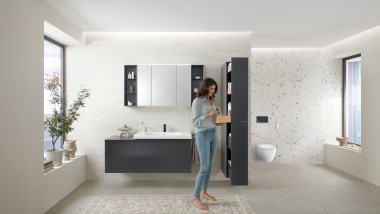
(352, 99)
(53, 63)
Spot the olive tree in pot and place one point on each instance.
(60, 122)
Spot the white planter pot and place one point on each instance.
(55, 156)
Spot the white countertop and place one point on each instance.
(162, 135)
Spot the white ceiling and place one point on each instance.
(273, 23)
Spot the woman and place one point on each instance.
(202, 113)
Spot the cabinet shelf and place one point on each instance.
(130, 96)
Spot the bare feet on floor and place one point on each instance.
(198, 203)
(207, 196)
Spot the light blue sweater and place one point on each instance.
(199, 108)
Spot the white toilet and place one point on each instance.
(265, 152)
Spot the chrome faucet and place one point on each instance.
(164, 127)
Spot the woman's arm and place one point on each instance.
(196, 116)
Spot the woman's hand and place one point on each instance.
(212, 113)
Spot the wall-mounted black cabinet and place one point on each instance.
(128, 155)
(148, 80)
(234, 91)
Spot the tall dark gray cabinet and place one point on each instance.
(234, 90)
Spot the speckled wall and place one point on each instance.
(301, 91)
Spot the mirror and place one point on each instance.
(164, 85)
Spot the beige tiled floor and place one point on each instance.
(273, 189)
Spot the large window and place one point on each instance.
(352, 99)
(53, 63)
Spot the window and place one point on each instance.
(53, 62)
(352, 98)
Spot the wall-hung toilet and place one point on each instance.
(265, 152)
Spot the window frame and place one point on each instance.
(344, 62)
(62, 74)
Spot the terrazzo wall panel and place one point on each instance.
(300, 91)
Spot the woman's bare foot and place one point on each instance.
(198, 203)
(207, 196)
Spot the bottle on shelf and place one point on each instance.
(129, 75)
(133, 75)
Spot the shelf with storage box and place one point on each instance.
(196, 79)
(130, 85)
(234, 139)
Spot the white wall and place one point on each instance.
(21, 76)
(364, 165)
(99, 66)
(21, 109)
(295, 88)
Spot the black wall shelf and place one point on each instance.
(130, 85)
(196, 79)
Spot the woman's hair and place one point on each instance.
(203, 88)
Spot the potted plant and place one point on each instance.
(60, 122)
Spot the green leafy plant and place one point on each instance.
(60, 122)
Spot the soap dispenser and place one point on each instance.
(144, 127)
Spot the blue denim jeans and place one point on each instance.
(206, 145)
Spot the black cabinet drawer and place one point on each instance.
(119, 156)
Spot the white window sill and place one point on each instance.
(348, 147)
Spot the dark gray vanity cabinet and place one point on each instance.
(128, 155)
(234, 135)
(163, 155)
(119, 154)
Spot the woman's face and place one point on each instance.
(211, 90)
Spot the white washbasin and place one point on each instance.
(162, 135)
